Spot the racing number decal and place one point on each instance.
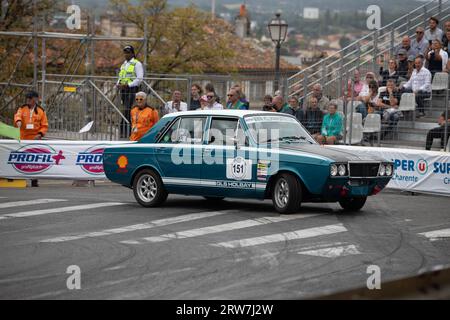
(239, 169)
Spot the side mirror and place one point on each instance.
(212, 139)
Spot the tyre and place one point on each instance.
(287, 193)
(213, 198)
(148, 188)
(352, 204)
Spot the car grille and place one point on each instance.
(363, 170)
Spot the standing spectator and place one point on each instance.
(419, 84)
(402, 68)
(437, 58)
(331, 131)
(369, 102)
(390, 73)
(438, 132)
(196, 92)
(322, 100)
(242, 97)
(32, 121)
(209, 87)
(434, 32)
(358, 85)
(211, 103)
(130, 77)
(406, 44)
(313, 117)
(268, 105)
(233, 101)
(143, 117)
(419, 44)
(294, 109)
(176, 105)
(387, 107)
(280, 105)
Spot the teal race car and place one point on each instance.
(243, 154)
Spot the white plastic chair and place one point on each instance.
(340, 105)
(440, 81)
(408, 103)
(356, 129)
(372, 124)
(381, 90)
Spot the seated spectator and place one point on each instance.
(233, 101)
(437, 58)
(358, 85)
(390, 73)
(369, 101)
(176, 104)
(313, 117)
(364, 92)
(242, 97)
(419, 44)
(211, 104)
(279, 104)
(387, 107)
(419, 84)
(434, 32)
(402, 66)
(406, 45)
(322, 100)
(196, 92)
(331, 131)
(446, 42)
(294, 109)
(268, 105)
(438, 132)
(410, 66)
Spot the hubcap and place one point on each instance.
(147, 188)
(281, 193)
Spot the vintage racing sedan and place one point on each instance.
(243, 154)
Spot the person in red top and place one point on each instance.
(143, 117)
(31, 118)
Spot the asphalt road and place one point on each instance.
(194, 249)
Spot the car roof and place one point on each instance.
(225, 112)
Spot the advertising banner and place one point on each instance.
(53, 159)
(415, 170)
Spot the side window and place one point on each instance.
(170, 136)
(222, 131)
(185, 130)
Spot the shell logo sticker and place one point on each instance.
(122, 162)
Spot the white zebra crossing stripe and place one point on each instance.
(217, 229)
(436, 234)
(28, 203)
(60, 210)
(142, 226)
(332, 252)
(283, 237)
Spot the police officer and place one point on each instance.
(130, 77)
(32, 121)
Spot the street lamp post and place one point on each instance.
(277, 30)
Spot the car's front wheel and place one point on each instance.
(287, 193)
(352, 204)
(148, 188)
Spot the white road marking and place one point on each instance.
(437, 234)
(59, 210)
(142, 226)
(332, 252)
(217, 228)
(283, 237)
(28, 203)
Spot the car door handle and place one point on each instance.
(208, 150)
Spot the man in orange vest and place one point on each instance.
(31, 118)
(32, 121)
(143, 117)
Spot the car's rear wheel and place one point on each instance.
(352, 204)
(148, 188)
(287, 193)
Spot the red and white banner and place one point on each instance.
(415, 170)
(53, 159)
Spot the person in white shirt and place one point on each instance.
(437, 58)
(208, 102)
(176, 105)
(434, 32)
(130, 77)
(419, 84)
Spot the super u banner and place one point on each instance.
(53, 159)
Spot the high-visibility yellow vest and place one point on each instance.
(127, 75)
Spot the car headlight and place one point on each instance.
(382, 171)
(342, 170)
(333, 170)
(389, 169)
